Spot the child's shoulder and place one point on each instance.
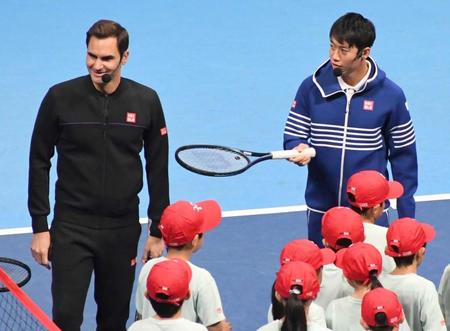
(145, 270)
(412, 280)
(199, 272)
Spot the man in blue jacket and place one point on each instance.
(356, 118)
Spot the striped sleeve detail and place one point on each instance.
(297, 125)
(403, 135)
(358, 139)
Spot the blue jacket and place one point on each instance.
(352, 133)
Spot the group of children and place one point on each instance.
(364, 279)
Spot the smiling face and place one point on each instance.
(103, 57)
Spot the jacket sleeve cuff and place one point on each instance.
(294, 143)
(154, 230)
(39, 224)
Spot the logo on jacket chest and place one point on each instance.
(369, 105)
(131, 118)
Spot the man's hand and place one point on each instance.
(153, 248)
(224, 325)
(301, 159)
(40, 246)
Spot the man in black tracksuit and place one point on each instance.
(99, 124)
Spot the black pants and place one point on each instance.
(78, 251)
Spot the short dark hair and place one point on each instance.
(181, 247)
(164, 309)
(403, 261)
(354, 29)
(363, 211)
(104, 29)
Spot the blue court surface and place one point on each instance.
(243, 255)
(226, 73)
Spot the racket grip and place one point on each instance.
(310, 152)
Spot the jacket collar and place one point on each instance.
(328, 84)
(122, 86)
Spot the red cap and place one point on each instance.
(381, 300)
(370, 188)
(342, 222)
(170, 278)
(297, 273)
(406, 236)
(306, 251)
(181, 221)
(358, 260)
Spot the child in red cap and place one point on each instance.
(341, 227)
(367, 192)
(167, 287)
(305, 251)
(406, 241)
(296, 286)
(182, 226)
(361, 264)
(382, 311)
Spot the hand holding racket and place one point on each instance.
(301, 158)
(221, 161)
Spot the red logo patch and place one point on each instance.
(131, 118)
(369, 105)
(163, 131)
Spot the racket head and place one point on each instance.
(212, 160)
(18, 271)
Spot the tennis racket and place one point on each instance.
(18, 271)
(221, 161)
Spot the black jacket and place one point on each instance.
(98, 139)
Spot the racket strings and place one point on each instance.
(16, 272)
(213, 160)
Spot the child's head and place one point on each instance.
(183, 223)
(168, 286)
(381, 310)
(406, 240)
(305, 251)
(361, 264)
(368, 190)
(341, 227)
(296, 286)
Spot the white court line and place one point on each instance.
(249, 212)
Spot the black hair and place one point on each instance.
(374, 281)
(181, 247)
(165, 309)
(103, 29)
(354, 29)
(344, 242)
(382, 324)
(277, 306)
(403, 261)
(363, 211)
(295, 315)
